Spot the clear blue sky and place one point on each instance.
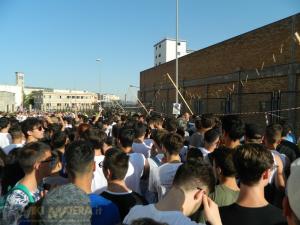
(56, 42)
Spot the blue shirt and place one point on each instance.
(104, 211)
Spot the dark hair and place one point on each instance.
(170, 124)
(208, 120)
(286, 128)
(211, 136)
(15, 132)
(252, 132)
(173, 143)
(30, 154)
(29, 124)
(273, 133)
(12, 171)
(194, 174)
(223, 158)
(58, 140)
(117, 162)
(194, 154)
(126, 137)
(250, 161)
(79, 155)
(158, 136)
(140, 129)
(233, 126)
(57, 156)
(4, 122)
(95, 136)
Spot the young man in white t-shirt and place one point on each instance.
(5, 137)
(138, 164)
(192, 182)
(161, 178)
(139, 144)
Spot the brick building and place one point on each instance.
(257, 71)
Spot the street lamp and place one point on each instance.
(177, 51)
(99, 61)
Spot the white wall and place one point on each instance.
(167, 51)
(16, 90)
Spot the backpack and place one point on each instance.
(20, 187)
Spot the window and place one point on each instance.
(49, 96)
(159, 63)
(159, 46)
(178, 43)
(60, 97)
(73, 97)
(159, 55)
(178, 53)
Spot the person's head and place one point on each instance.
(223, 162)
(79, 157)
(211, 139)
(126, 137)
(140, 130)
(59, 140)
(172, 143)
(253, 163)
(253, 134)
(115, 164)
(186, 116)
(233, 128)
(208, 121)
(272, 135)
(157, 121)
(57, 163)
(83, 127)
(194, 179)
(4, 124)
(16, 133)
(286, 128)
(32, 129)
(194, 154)
(170, 124)
(36, 158)
(96, 137)
(291, 206)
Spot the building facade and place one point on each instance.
(165, 50)
(60, 100)
(250, 74)
(7, 100)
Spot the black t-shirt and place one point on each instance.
(236, 215)
(289, 149)
(124, 201)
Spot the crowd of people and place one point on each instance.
(110, 168)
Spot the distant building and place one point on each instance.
(16, 90)
(51, 100)
(108, 97)
(7, 100)
(165, 50)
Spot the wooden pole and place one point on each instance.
(141, 104)
(180, 94)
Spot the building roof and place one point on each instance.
(168, 39)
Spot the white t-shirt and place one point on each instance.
(143, 148)
(5, 140)
(149, 211)
(161, 178)
(204, 151)
(135, 171)
(99, 182)
(10, 147)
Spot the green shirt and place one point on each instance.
(224, 196)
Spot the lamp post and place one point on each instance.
(177, 51)
(100, 105)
